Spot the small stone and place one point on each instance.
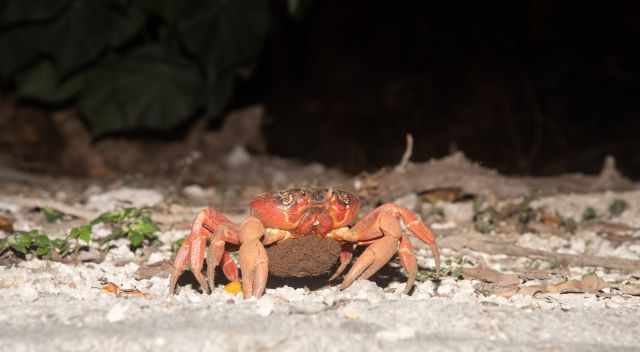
(117, 312)
(399, 333)
(238, 156)
(409, 201)
(264, 306)
(28, 293)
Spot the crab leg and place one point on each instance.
(197, 255)
(209, 225)
(418, 228)
(229, 267)
(379, 252)
(254, 262)
(381, 230)
(180, 264)
(214, 254)
(409, 263)
(346, 253)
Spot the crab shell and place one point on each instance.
(311, 212)
(306, 211)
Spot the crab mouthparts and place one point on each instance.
(315, 222)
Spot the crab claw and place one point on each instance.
(382, 231)
(254, 262)
(212, 227)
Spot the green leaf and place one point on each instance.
(78, 36)
(41, 251)
(153, 87)
(589, 213)
(165, 9)
(145, 227)
(41, 240)
(14, 12)
(23, 242)
(60, 244)
(617, 207)
(82, 232)
(222, 33)
(222, 36)
(52, 215)
(4, 245)
(42, 82)
(136, 239)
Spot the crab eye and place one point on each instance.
(343, 198)
(285, 198)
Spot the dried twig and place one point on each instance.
(480, 245)
(402, 166)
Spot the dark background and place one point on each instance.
(528, 87)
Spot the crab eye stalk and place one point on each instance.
(285, 198)
(344, 198)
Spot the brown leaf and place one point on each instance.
(536, 275)
(442, 194)
(630, 289)
(6, 223)
(111, 288)
(589, 283)
(490, 275)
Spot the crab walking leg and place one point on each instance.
(197, 260)
(192, 251)
(374, 257)
(214, 254)
(254, 262)
(346, 253)
(418, 228)
(409, 263)
(229, 267)
(379, 252)
(180, 264)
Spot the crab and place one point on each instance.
(292, 214)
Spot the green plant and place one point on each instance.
(32, 242)
(589, 213)
(132, 223)
(52, 215)
(130, 64)
(617, 207)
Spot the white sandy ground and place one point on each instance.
(47, 306)
(50, 306)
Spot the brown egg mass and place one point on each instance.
(305, 256)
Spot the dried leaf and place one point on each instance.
(111, 288)
(443, 194)
(491, 276)
(548, 218)
(589, 283)
(630, 289)
(6, 224)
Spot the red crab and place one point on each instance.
(294, 213)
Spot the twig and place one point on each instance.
(476, 244)
(402, 166)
